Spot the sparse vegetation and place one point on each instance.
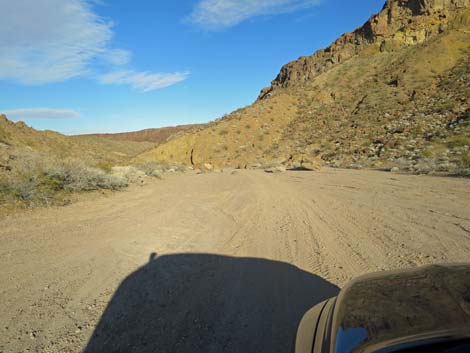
(459, 141)
(465, 161)
(3, 135)
(153, 169)
(463, 168)
(33, 179)
(387, 103)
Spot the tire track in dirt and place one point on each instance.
(237, 251)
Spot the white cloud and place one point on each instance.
(50, 40)
(41, 113)
(220, 14)
(118, 56)
(143, 81)
(43, 41)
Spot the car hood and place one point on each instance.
(388, 308)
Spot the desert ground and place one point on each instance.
(221, 262)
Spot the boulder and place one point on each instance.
(208, 166)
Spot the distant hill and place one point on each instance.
(18, 138)
(150, 135)
(393, 93)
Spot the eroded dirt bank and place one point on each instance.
(215, 263)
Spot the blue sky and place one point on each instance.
(82, 66)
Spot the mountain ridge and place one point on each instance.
(399, 23)
(391, 94)
(17, 138)
(154, 135)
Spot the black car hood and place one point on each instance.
(379, 310)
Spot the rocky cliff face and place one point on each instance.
(400, 23)
(394, 93)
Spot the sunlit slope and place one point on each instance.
(395, 92)
(238, 139)
(388, 109)
(18, 137)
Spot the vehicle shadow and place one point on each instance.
(208, 303)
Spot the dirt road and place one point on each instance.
(215, 263)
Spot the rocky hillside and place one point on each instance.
(150, 135)
(392, 94)
(401, 23)
(20, 138)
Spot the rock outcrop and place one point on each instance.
(400, 23)
(394, 93)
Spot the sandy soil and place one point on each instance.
(215, 263)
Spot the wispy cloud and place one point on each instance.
(143, 81)
(117, 56)
(221, 14)
(50, 40)
(43, 41)
(41, 113)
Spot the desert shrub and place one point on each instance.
(465, 161)
(402, 164)
(463, 172)
(158, 168)
(458, 141)
(175, 167)
(223, 132)
(34, 179)
(73, 175)
(463, 168)
(426, 166)
(129, 173)
(445, 106)
(153, 169)
(269, 164)
(25, 189)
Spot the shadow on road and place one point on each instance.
(208, 303)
